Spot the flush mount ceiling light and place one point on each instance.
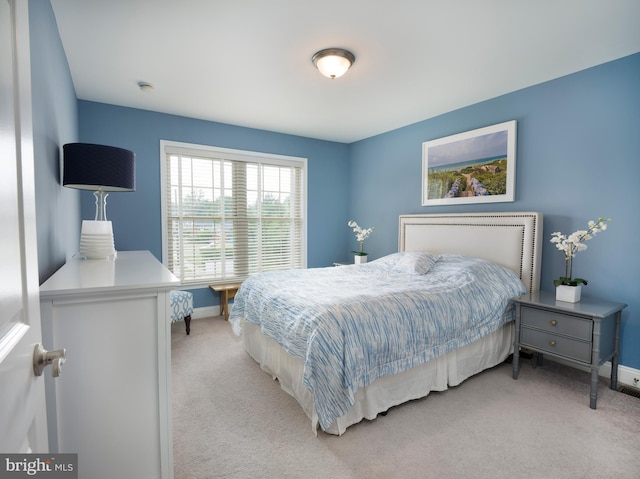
(333, 62)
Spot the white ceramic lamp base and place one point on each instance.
(96, 240)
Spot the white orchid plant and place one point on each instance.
(361, 235)
(571, 245)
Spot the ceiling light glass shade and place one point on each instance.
(333, 62)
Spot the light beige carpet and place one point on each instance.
(231, 420)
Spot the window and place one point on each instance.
(228, 214)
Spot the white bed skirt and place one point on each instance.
(436, 375)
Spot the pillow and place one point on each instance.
(415, 262)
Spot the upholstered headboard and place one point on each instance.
(512, 240)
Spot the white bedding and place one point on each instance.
(353, 325)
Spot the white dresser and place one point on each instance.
(112, 403)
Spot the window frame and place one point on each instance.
(227, 154)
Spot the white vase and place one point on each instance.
(568, 294)
(360, 259)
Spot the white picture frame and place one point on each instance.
(477, 166)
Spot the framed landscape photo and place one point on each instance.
(477, 166)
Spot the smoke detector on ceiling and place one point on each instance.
(145, 86)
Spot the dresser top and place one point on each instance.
(130, 270)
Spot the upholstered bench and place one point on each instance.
(182, 307)
(227, 291)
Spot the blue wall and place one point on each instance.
(136, 216)
(578, 158)
(55, 122)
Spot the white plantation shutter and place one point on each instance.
(228, 214)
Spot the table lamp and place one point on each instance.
(101, 169)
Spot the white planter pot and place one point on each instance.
(360, 259)
(568, 294)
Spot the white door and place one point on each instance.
(22, 404)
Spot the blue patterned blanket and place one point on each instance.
(354, 324)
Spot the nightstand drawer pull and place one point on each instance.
(553, 322)
(552, 343)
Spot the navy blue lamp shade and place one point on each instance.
(99, 167)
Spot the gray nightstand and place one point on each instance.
(585, 333)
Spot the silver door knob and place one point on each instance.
(42, 358)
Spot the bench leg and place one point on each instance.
(187, 323)
(224, 304)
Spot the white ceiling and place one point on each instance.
(248, 62)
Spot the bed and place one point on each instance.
(338, 355)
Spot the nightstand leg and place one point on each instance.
(614, 359)
(516, 345)
(593, 397)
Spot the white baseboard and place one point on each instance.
(626, 375)
(206, 312)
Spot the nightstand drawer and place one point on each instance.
(567, 347)
(557, 323)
